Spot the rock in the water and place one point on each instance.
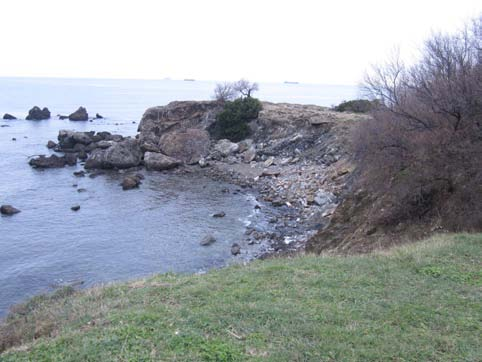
(75, 208)
(61, 117)
(79, 173)
(159, 162)
(51, 144)
(188, 146)
(123, 154)
(8, 116)
(98, 116)
(207, 240)
(8, 210)
(130, 182)
(79, 115)
(37, 114)
(235, 249)
(226, 147)
(52, 161)
(219, 214)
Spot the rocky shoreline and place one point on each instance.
(295, 161)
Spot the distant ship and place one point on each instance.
(287, 82)
(189, 80)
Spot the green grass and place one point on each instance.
(421, 302)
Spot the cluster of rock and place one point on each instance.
(39, 114)
(99, 150)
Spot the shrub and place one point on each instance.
(232, 122)
(355, 106)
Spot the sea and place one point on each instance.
(116, 235)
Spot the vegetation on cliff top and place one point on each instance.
(420, 302)
(356, 106)
(232, 122)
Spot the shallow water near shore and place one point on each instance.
(116, 234)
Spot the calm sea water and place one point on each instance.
(117, 234)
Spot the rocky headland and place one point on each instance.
(295, 160)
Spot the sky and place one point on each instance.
(329, 42)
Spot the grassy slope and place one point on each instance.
(418, 303)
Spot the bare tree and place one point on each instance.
(245, 88)
(443, 90)
(228, 91)
(224, 92)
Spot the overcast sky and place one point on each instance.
(331, 42)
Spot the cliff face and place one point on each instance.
(282, 129)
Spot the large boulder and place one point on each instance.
(188, 146)
(158, 161)
(8, 116)
(176, 116)
(37, 114)
(79, 115)
(120, 155)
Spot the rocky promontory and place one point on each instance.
(295, 159)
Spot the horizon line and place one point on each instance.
(287, 82)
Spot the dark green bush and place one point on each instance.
(232, 122)
(355, 106)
